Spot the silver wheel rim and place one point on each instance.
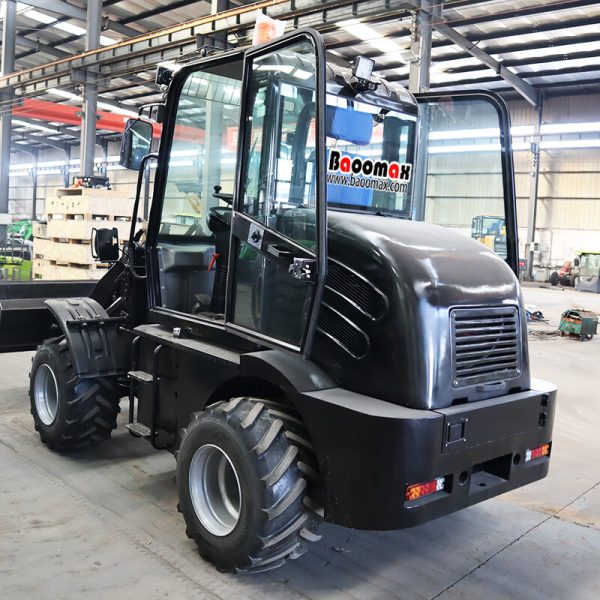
(45, 394)
(215, 490)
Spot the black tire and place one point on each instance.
(71, 412)
(554, 278)
(276, 509)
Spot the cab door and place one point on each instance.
(278, 254)
(465, 170)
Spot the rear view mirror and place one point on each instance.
(135, 143)
(576, 262)
(105, 245)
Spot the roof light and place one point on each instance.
(538, 452)
(420, 490)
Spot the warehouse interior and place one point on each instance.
(103, 521)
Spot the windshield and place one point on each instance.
(370, 157)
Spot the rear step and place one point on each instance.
(138, 430)
(140, 376)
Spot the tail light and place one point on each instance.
(419, 490)
(537, 452)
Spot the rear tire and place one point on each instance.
(69, 412)
(247, 492)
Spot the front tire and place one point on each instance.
(69, 412)
(554, 278)
(248, 485)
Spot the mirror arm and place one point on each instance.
(136, 204)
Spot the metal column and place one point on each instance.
(421, 41)
(90, 95)
(534, 187)
(420, 45)
(9, 30)
(34, 185)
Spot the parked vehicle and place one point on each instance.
(588, 278)
(568, 274)
(490, 231)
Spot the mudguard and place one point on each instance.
(289, 371)
(93, 336)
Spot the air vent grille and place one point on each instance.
(356, 290)
(486, 345)
(342, 332)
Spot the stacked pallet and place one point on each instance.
(61, 247)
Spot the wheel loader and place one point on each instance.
(311, 346)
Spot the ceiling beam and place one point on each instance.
(60, 7)
(440, 25)
(26, 42)
(40, 140)
(525, 89)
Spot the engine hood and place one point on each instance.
(394, 287)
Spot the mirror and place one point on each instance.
(576, 262)
(135, 143)
(105, 245)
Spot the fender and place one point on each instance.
(93, 336)
(290, 372)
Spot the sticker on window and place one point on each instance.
(358, 172)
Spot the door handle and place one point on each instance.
(278, 251)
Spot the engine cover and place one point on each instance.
(419, 315)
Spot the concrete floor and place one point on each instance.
(103, 524)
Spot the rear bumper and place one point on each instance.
(370, 451)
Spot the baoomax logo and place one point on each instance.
(380, 175)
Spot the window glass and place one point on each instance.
(465, 189)
(203, 154)
(370, 157)
(279, 188)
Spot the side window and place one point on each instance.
(465, 189)
(203, 154)
(281, 143)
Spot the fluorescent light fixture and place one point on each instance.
(36, 15)
(557, 128)
(459, 134)
(103, 105)
(38, 126)
(552, 145)
(64, 94)
(371, 36)
(70, 28)
(464, 148)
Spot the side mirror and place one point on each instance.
(105, 245)
(576, 262)
(135, 143)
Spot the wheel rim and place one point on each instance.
(215, 490)
(45, 393)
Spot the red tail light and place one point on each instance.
(419, 490)
(537, 452)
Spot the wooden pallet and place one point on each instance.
(64, 251)
(51, 269)
(40, 229)
(81, 229)
(88, 203)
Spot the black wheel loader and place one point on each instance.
(310, 345)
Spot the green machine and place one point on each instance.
(582, 323)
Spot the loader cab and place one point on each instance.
(256, 146)
(235, 214)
